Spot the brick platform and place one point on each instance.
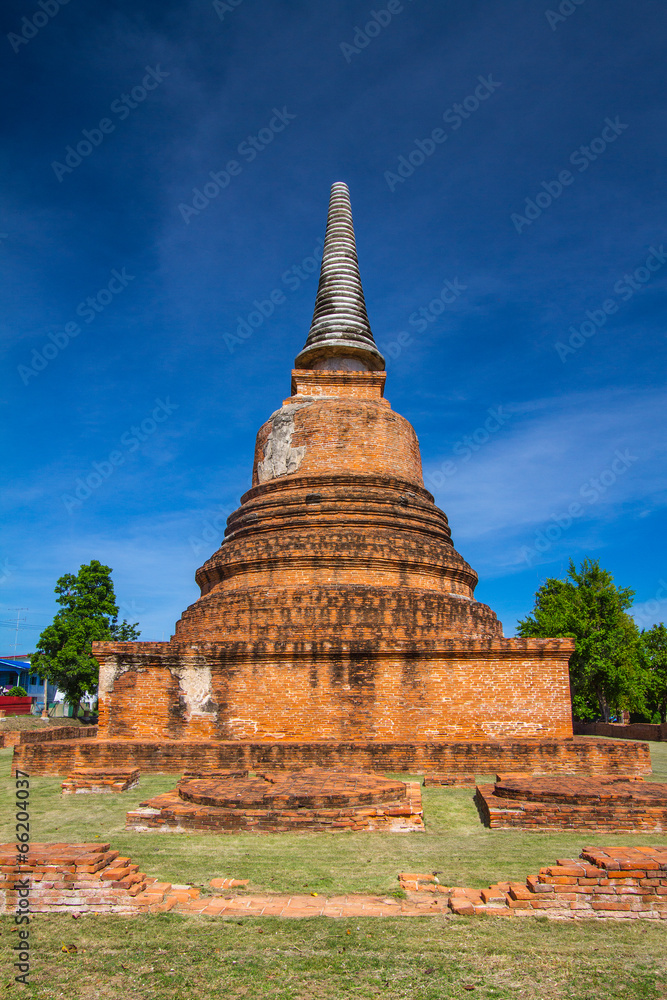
(314, 800)
(617, 882)
(572, 803)
(92, 780)
(66, 878)
(580, 755)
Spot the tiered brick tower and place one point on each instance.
(337, 606)
(337, 622)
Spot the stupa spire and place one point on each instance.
(340, 335)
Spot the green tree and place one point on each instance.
(605, 669)
(654, 657)
(88, 614)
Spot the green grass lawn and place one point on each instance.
(427, 958)
(172, 956)
(455, 843)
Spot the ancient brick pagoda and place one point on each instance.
(337, 622)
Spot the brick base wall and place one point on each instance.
(583, 756)
(633, 731)
(370, 690)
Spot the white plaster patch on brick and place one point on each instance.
(280, 458)
(110, 671)
(242, 728)
(195, 685)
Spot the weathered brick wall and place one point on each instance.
(59, 733)
(329, 436)
(10, 737)
(633, 731)
(573, 756)
(307, 691)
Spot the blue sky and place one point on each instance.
(532, 142)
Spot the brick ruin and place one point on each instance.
(616, 882)
(78, 879)
(336, 614)
(605, 805)
(313, 799)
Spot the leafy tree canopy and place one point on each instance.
(88, 614)
(654, 659)
(605, 669)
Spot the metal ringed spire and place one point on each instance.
(340, 333)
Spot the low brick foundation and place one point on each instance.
(631, 731)
(578, 755)
(618, 882)
(70, 878)
(312, 800)
(12, 737)
(607, 882)
(91, 780)
(548, 803)
(461, 780)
